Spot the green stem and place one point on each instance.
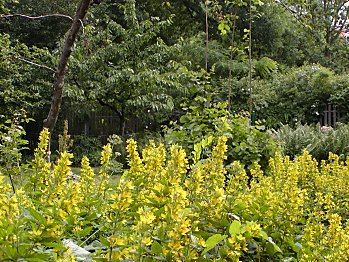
(12, 184)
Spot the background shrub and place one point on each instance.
(206, 121)
(88, 146)
(316, 140)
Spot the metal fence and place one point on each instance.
(330, 116)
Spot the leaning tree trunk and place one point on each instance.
(52, 116)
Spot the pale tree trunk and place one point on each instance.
(58, 84)
(206, 33)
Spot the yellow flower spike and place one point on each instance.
(40, 152)
(256, 171)
(195, 183)
(333, 158)
(36, 232)
(87, 173)
(185, 227)
(212, 174)
(253, 229)
(60, 174)
(122, 199)
(178, 164)
(134, 161)
(333, 236)
(9, 206)
(76, 230)
(237, 180)
(220, 149)
(40, 178)
(116, 241)
(153, 158)
(106, 154)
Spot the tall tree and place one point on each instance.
(128, 67)
(51, 119)
(325, 19)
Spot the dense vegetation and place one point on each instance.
(166, 208)
(146, 60)
(192, 131)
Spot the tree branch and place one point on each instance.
(102, 103)
(32, 63)
(37, 17)
(41, 16)
(293, 13)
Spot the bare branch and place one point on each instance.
(42, 16)
(32, 63)
(293, 13)
(37, 17)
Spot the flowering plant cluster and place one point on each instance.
(163, 209)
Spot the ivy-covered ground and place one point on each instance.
(165, 209)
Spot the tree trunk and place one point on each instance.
(122, 125)
(58, 84)
(206, 32)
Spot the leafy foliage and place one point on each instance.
(296, 96)
(203, 122)
(86, 146)
(11, 146)
(43, 33)
(265, 66)
(320, 142)
(22, 86)
(134, 72)
(164, 209)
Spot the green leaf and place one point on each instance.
(272, 248)
(235, 228)
(37, 216)
(104, 241)
(297, 247)
(212, 241)
(156, 248)
(263, 235)
(201, 259)
(85, 231)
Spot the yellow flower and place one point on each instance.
(106, 154)
(184, 227)
(77, 229)
(147, 241)
(36, 232)
(134, 160)
(62, 214)
(146, 216)
(116, 241)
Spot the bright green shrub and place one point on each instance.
(203, 123)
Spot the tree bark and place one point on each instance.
(61, 70)
(206, 32)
